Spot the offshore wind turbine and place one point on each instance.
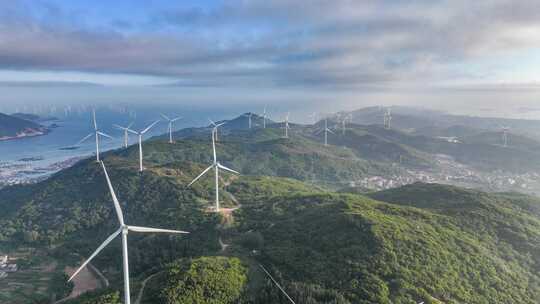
(126, 133)
(140, 134)
(97, 133)
(124, 230)
(216, 166)
(387, 118)
(171, 121)
(505, 136)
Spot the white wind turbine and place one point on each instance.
(344, 122)
(264, 116)
(97, 133)
(126, 133)
(216, 166)
(249, 115)
(325, 130)
(171, 121)
(286, 125)
(387, 118)
(313, 117)
(505, 135)
(124, 230)
(140, 134)
(216, 127)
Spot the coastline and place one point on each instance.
(27, 134)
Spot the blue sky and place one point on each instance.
(318, 52)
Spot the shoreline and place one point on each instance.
(35, 133)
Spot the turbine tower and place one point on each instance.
(171, 121)
(216, 166)
(124, 230)
(286, 125)
(140, 134)
(126, 133)
(97, 133)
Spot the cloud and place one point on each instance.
(274, 43)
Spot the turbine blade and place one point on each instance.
(119, 127)
(177, 118)
(318, 131)
(200, 175)
(131, 124)
(165, 116)
(103, 134)
(158, 230)
(94, 117)
(149, 127)
(107, 241)
(330, 131)
(212, 122)
(227, 169)
(115, 199)
(221, 124)
(85, 138)
(131, 131)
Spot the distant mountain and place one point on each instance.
(12, 127)
(33, 117)
(419, 120)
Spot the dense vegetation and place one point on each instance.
(421, 242)
(205, 280)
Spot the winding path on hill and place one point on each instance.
(143, 286)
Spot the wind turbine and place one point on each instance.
(313, 117)
(387, 118)
(326, 130)
(264, 116)
(97, 133)
(248, 115)
(286, 125)
(216, 166)
(140, 134)
(505, 136)
(215, 127)
(124, 230)
(126, 133)
(344, 123)
(171, 121)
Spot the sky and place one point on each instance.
(479, 57)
